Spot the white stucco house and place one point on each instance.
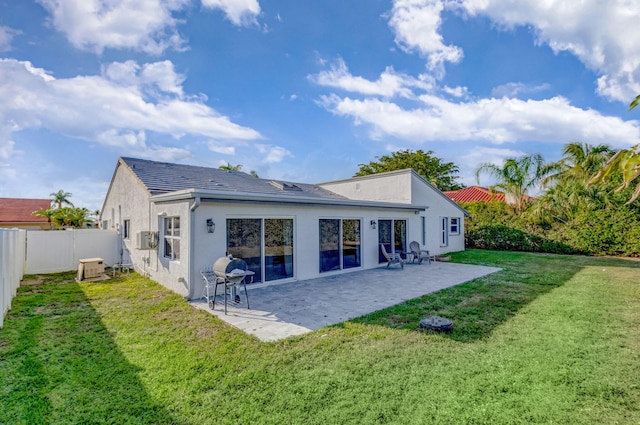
(175, 219)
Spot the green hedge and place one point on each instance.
(612, 230)
(505, 238)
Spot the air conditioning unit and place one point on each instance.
(146, 240)
(90, 268)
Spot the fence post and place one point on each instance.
(3, 306)
(12, 243)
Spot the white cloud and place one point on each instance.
(143, 25)
(221, 148)
(492, 120)
(6, 36)
(515, 89)
(601, 34)
(389, 84)
(239, 12)
(416, 24)
(156, 78)
(273, 154)
(118, 108)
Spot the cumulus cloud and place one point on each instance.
(118, 108)
(491, 120)
(273, 154)
(239, 12)
(221, 148)
(142, 25)
(416, 24)
(389, 84)
(600, 34)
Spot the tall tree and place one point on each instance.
(516, 177)
(61, 197)
(439, 173)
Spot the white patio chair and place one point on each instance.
(419, 254)
(392, 258)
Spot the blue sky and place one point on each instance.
(304, 90)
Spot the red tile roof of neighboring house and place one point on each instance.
(475, 193)
(17, 210)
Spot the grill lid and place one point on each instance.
(224, 266)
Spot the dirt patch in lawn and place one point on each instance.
(33, 282)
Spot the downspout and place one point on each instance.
(192, 234)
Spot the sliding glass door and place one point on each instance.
(393, 235)
(269, 257)
(244, 241)
(278, 248)
(340, 246)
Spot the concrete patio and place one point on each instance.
(282, 310)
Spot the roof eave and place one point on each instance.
(218, 196)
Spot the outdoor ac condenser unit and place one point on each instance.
(146, 240)
(90, 268)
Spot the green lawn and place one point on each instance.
(550, 339)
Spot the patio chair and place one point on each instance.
(392, 258)
(419, 254)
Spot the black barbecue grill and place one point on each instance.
(227, 271)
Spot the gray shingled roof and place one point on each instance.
(162, 177)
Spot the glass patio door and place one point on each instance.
(393, 235)
(266, 245)
(340, 246)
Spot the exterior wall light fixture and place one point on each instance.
(211, 226)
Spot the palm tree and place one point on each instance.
(230, 167)
(516, 177)
(46, 213)
(566, 200)
(626, 162)
(61, 197)
(580, 163)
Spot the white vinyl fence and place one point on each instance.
(12, 249)
(59, 251)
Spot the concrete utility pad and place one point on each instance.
(282, 310)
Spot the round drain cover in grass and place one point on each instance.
(437, 323)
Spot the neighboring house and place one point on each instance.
(475, 194)
(18, 213)
(176, 219)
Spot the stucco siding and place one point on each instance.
(210, 246)
(439, 206)
(388, 188)
(128, 199)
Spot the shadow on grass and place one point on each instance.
(479, 306)
(59, 364)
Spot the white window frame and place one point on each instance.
(444, 231)
(456, 225)
(171, 235)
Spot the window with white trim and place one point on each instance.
(444, 231)
(454, 226)
(172, 238)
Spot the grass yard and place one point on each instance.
(550, 339)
